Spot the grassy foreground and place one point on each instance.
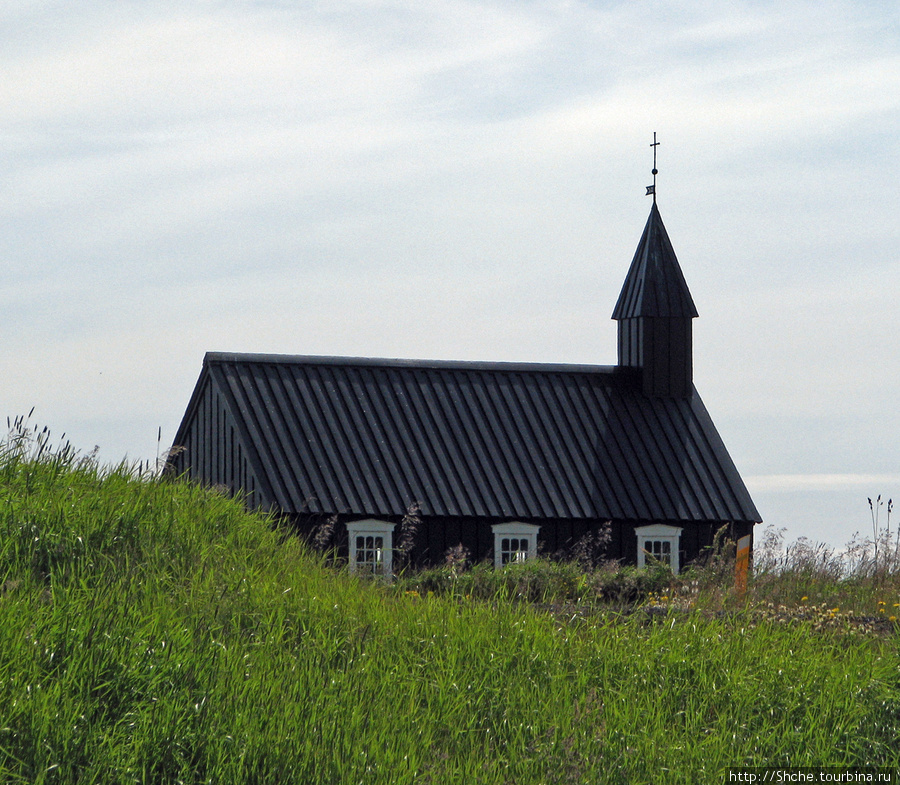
(152, 631)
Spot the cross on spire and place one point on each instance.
(651, 189)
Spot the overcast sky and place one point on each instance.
(459, 180)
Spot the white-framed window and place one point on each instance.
(371, 546)
(658, 543)
(514, 542)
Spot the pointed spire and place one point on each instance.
(655, 285)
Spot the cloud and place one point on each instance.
(455, 179)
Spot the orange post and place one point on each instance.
(742, 565)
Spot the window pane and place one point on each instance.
(513, 544)
(513, 549)
(660, 550)
(370, 552)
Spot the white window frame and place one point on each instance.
(515, 531)
(382, 545)
(662, 533)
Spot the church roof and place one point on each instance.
(500, 440)
(655, 285)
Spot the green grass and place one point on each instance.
(152, 631)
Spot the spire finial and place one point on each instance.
(651, 189)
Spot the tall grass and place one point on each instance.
(152, 631)
(862, 578)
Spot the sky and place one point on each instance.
(460, 180)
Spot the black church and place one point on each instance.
(507, 460)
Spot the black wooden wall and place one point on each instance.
(212, 453)
(661, 347)
(434, 537)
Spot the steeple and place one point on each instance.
(654, 312)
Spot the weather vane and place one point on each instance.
(651, 189)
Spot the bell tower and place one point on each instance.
(654, 312)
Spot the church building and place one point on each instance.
(507, 460)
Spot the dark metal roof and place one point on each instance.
(500, 440)
(655, 285)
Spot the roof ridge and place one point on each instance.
(477, 365)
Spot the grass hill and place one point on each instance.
(153, 631)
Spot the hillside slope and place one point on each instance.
(152, 631)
